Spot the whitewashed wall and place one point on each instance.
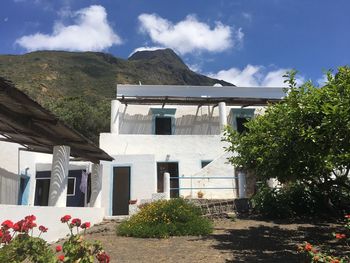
(137, 119)
(217, 168)
(143, 177)
(187, 150)
(50, 217)
(9, 179)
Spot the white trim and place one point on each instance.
(75, 181)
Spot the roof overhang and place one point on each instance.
(199, 95)
(24, 121)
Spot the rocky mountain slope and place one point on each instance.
(73, 84)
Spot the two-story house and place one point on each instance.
(176, 130)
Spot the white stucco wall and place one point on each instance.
(137, 119)
(187, 150)
(219, 168)
(50, 217)
(143, 180)
(9, 179)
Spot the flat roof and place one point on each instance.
(24, 121)
(196, 95)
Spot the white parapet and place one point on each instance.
(115, 105)
(96, 185)
(59, 176)
(167, 185)
(222, 115)
(50, 217)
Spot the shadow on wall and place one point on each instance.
(185, 125)
(9, 186)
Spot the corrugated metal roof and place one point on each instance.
(174, 94)
(24, 121)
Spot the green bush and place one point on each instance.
(293, 200)
(160, 219)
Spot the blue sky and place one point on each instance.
(247, 42)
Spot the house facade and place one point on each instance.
(174, 133)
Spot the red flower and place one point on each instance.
(43, 229)
(30, 218)
(340, 236)
(7, 224)
(31, 224)
(335, 261)
(65, 219)
(60, 258)
(347, 216)
(58, 248)
(308, 247)
(85, 225)
(16, 227)
(103, 257)
(6, 238)
(1, 234)
(76, 222)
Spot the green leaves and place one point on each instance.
(304, 137)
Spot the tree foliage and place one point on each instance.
(87, 117)
(304, 138)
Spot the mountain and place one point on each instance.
(73, 83)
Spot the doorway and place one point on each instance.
(173, 169)
(121, 190)
(75, 197)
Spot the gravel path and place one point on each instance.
(241, 241)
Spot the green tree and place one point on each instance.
(304, 138)
(90, 118)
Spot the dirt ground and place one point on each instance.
(244, 240)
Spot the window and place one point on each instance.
(71, 186)
(240, 117)
(205, 163)
(240, 124)
(163, 121)
(163, 125)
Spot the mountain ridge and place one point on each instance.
(66, 82)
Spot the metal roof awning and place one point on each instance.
(24, 121)
(197, 95)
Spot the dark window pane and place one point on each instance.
(240, 124)
(163, 125)
(71, 186)
(205, 163)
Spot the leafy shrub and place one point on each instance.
(175, 217)
(293, 200)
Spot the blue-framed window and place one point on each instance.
(163, 121)
(240, 117)
(204, 163)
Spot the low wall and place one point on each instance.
(50, 217)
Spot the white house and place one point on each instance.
(165, 141)
(41, 165)
(176, 130)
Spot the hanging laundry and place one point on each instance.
(83, 182)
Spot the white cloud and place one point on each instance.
(189, 35)
(145, 49)
(91, 32)
(322, 81)
(254, 76)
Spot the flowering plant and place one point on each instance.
(317, 256)
(17, 243)
(76, 248)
